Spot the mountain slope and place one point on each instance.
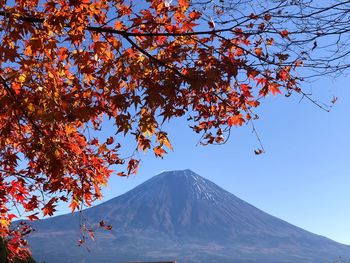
(180, 215)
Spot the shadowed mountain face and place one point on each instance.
(181, 216)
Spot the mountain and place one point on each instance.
(180, 216)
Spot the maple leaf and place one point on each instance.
(236, 120)
(194, 15)
(159, 151)
(258, 51)
(16, 87)
(33, 217)
(184, 4)
(284, 33)
(283, 75)
(274, 88)
(188, 26)
(133, 166)
(74, 205)
(251, 73)
(48, 210)
(267, 17)
(118, 25)
(110, 141)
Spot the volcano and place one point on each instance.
(179, 215)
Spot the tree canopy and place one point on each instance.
(70, 66)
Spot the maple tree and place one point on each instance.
(70, 66)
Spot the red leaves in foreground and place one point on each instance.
(69, 70)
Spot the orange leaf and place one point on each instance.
(236, 120)
(158, 151)
(16, 87)
(274, 88)
(258, 51)
(118, 25)
(194, 15)
(184, 3)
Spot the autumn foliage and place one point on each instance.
(4, 255)
(68, 67)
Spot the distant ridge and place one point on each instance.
(179, 215)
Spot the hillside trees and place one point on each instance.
(68, 67)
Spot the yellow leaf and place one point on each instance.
(70, 129)
(22, 78)
(168, 144)
(31, 107)
(4, 223)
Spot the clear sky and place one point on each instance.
(304, 177)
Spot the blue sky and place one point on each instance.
(304, 176)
